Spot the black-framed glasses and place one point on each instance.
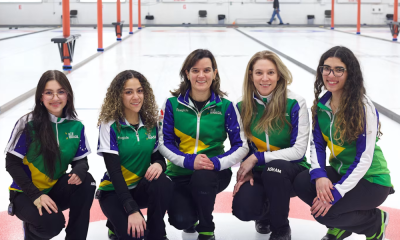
(337, 71)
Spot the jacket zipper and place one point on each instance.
(267, 138)
(331, 137)
(198, 114)
(58, 141)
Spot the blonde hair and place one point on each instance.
(274, 113)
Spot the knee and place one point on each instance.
(88, 185)
(301, 182)
(162, 184)
(51, 226)
(240, 210)
(203, 179)
(181, 221)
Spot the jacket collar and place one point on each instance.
(55, 119)
(125, 123)
(324, 101)
(261, 99)
(214, 99)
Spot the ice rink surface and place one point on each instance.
(158, 53)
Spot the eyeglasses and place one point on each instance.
(337, 71)
(48, 95)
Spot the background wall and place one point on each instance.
(50, 11)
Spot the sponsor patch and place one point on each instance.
(272, 169)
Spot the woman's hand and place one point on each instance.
(136, 224)
(324, 186)
(74, 179)
(154, 171)
(320, 208)
(248, 177)
(202, 162)
(46, 202)
(246, 167)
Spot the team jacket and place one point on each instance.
(290, 143)
(360, 159)
(185, 132)
(134, 148)
(71, 139)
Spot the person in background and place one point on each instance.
(276, 12)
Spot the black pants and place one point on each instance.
(355, 212)
(155, 195)
(273, 185)
(194, 199)
(78, 198)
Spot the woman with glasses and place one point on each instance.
(128, 142)
(197, 121)
(344, 196)
(275, 120)
(43, 144)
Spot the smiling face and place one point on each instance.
(332, 83)
(201, 76)
(54, 98)
(265, 76)
(133, 95)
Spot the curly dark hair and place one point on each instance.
(113, 107)
(350, 116)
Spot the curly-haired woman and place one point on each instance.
(196, 123)
(128, 142)
(42, 145)
(344, 196)
(275, 120)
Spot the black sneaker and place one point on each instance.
(269, 23)
(281, 235)
(112, 235)
(262, 226)
(191, 229)
(380, 235)
(281, 23)
(336, 234)
(206, 237)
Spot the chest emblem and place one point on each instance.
(123, 138)
(213, 111)
(182, 110)
(71, 135)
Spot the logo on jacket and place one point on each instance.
(123, 138)
(272, 169)
(71, 135)
(213, 111)
(150, 137)
(182, 110)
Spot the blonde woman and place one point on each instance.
(128, 141)
(275, 120)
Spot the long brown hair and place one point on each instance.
(350, 117)
(190, 61)
(113, 107)
(274, 113)
(40, 131)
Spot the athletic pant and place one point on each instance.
(155, 196)
(78, 198)
(273, 185)
(194, 198)
(355, 212)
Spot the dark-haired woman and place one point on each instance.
(197, 120)
(128, 142)
(345, 195)
(275, 120)
(42, 145)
